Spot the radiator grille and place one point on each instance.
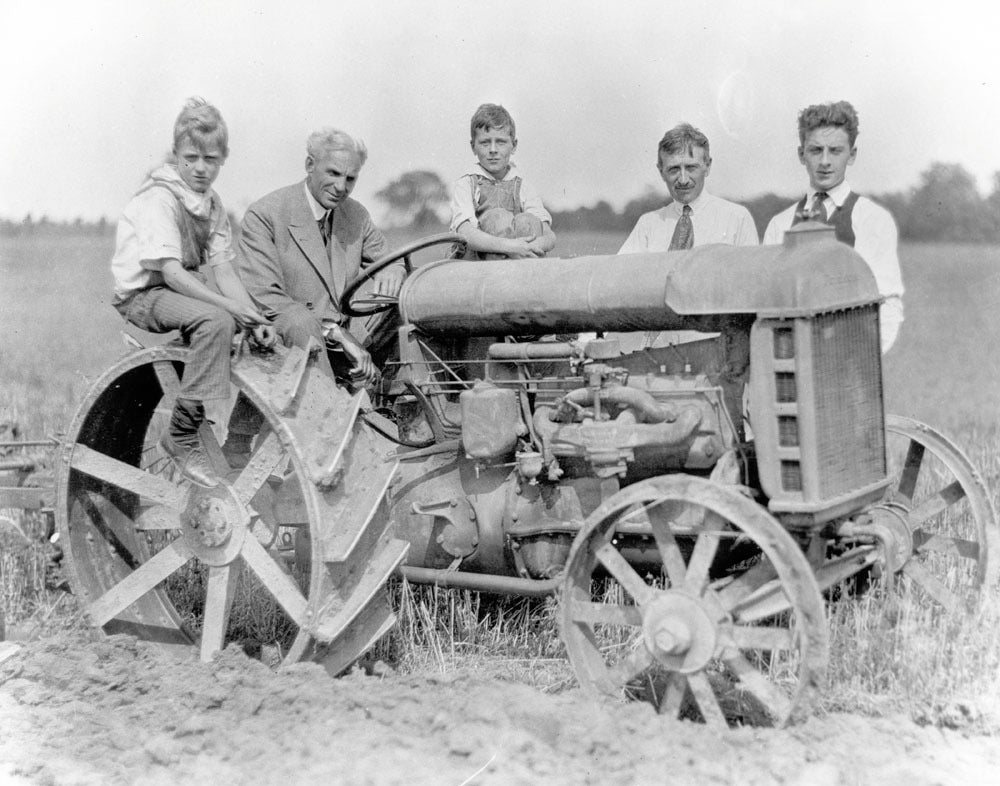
(848, 383)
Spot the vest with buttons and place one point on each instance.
(839, 219)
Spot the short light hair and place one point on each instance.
(202, 125)
(682, 138)
(839, 114)
(489, 116)
(331, 140)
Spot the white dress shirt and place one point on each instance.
(715, 220)
(875, 239)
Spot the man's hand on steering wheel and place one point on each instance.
(390, 281)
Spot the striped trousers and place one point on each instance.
(208, 330)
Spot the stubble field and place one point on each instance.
(494, 700)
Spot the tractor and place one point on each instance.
(690, 506)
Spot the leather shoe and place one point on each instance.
(190, 460)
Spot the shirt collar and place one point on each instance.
(477, 169)
(696, 205)
(318, 211)
(838, 194)
(197, 204)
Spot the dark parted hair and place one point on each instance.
(681, 139)
(836, 113)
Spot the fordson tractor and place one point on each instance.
(690, 506)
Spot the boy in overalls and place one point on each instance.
(492, 207)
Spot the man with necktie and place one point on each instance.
(827, 136)
(693, 218)
(299, 248)
(302, 244)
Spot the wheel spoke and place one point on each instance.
(705, 549)
(670, 553)
(212, 449)
(262, 463)
(277, 582)
(911, 469)
(170, 383)
(764, 602)
(218, 602)
(776, 703)
(605, 613)
(744, 585)
(140, 581)
(932, 586)
(949, 495)
(117, 473)
(943, 544)
(624, 573)
(704, 696)
(158, 517)
(672, 700)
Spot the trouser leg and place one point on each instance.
(208, 330)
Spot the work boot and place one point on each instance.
(183, 444)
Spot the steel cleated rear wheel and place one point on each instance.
(704, 638)
(955, 555)
(290, 552)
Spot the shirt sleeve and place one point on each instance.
(462, 209)
(220, 242)
(890, 320)
(638, 240)
(876, 241)
(531, 202)
(746, 230)
(155, 220)
(774, 235)
(374, 244)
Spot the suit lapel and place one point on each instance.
(338, 253)
(305, 232)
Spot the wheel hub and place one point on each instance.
(678, 632)
(214, 524)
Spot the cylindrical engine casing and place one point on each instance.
(701, 289)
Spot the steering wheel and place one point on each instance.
(373, 304)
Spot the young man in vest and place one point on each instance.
(827, 136)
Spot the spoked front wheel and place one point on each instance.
(704, 637)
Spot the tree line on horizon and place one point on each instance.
(944, 206)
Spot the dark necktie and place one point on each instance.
(683, 231)
(819, 206)
(325, 227)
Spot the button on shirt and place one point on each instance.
(715, 221)
(875, 240)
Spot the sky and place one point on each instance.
(90, 90)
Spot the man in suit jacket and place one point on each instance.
(302, 244)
